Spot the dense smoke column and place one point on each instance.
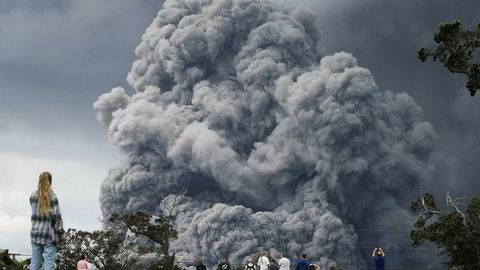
(279, 147)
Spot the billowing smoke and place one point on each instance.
(280, 147)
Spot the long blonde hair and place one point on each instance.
(44, 192)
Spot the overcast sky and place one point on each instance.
(57, 57)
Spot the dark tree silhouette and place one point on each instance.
(454, 231)
(105, 249)
(158, 229)
(457, 50)
(113, 249)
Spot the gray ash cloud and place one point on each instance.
(279, 146)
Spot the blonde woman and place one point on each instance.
(45, 211)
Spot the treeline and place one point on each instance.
(144, 246)
(136, 240)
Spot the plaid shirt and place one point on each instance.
(42, 232)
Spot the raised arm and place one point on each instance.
(374, 251)
(383, 253)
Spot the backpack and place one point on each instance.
(250, 266)
(224, 266)
(273, 266)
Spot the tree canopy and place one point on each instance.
(103, 248)
(158, 229)
(115, 249)
(457, 50)
(454, 231)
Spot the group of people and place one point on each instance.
(47, 229)
(264, 263)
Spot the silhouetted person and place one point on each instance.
(224, 264)
(284, 262)
(200, 266)
(263, 261)
(303, 263)
(273, 265)
(379, 259)
(250, 265)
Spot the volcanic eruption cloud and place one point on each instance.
(279, 146)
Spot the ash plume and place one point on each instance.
(280, 147)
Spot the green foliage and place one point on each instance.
(19, 265)
(457, 50)
(158, 229)
(110, 249)
(455, 233)
(105, 249)
(8, 263)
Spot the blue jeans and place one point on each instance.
(48, 252)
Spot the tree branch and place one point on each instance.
(428, 210)
(453, 203)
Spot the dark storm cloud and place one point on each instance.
(7, 6)
(389, 32)
(57, 56)
(384, 36)
(59, 35)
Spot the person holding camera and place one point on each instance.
(379, 258)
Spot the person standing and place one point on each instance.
(379, 258)
(263, 261)
(45, 212)
(284, 262)
(250, 264)
(273, 265)
(303, 263)
(224, 264)
(200, 265)
(82, 264)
